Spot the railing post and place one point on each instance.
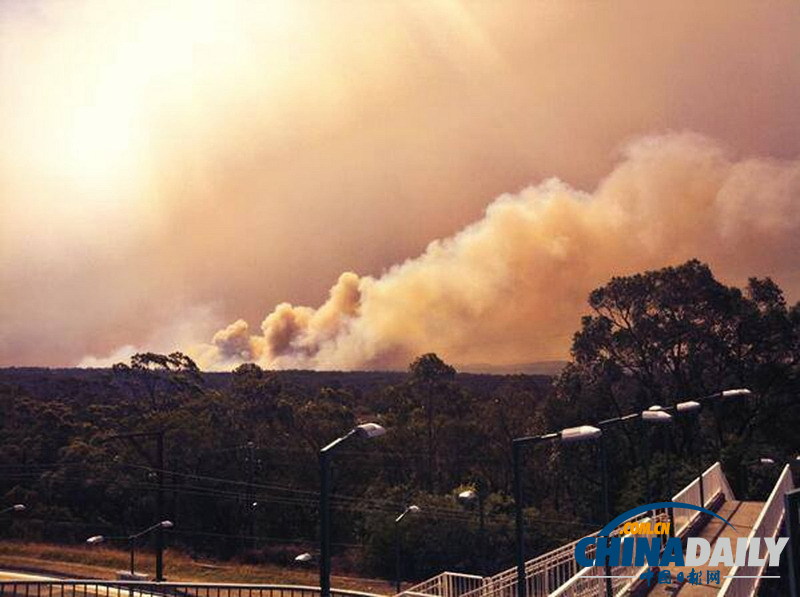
(792, 501)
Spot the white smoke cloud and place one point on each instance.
(196, 322)
(511, 287)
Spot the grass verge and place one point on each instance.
(101, 562)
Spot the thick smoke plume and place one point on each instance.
(511, 287)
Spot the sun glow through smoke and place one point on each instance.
(161, 160)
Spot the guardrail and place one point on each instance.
(589, 582)
(586, 582)
(714, 483)
(741, 581)
(447, 584)
(101, 588)
(547, 573)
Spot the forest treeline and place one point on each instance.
(241, 473)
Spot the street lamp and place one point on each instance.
(473, 496)
(157, 463)
(367, 431)
(412, 509)
(14, 508)
(570, 435)
(657, 415)
(694, 407)
(606, 489)
(603, 425)
(96, 539)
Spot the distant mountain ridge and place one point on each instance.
(550, 368)
(50, 383)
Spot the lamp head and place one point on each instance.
(166, 524)
(95, 539)
(688, 406)
(18, 507)
(370, 430)
(736, 393)
(766, 461)
(655, 414)
(304, 558)
(412, 509)
(580, 434)
(468, 495)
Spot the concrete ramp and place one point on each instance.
(741, 515)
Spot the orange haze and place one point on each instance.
(169, 168)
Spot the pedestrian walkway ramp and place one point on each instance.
(742, 515)
(751, 519)
(556, 573)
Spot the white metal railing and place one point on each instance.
(546, 573)
(586, 582)
(447, 584)
(589, 581)
(714, 483)
(112, 588)
(740, 580)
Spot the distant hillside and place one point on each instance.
(61, 383)
(550, 368)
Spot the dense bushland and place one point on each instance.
(240, 469)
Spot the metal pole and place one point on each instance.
(646, 462)
(671, 511)
(133, 549)
(606, 507)
(160, 507)
(604, 473)
(699, 460)
(482, 529)
(324, 522)
(251, 479)
(520, 532)
(429, 412)
(397, 557)
(793, 530)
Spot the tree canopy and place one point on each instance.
(252, 436)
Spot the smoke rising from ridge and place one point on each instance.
(513, 285)
(170, 168)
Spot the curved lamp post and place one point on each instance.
(693, 407)
(476, 496)
(156, 461)
(568, 436)
(365, 430)
(131, 539)
(657, 415)
(412, 509)
(470, 496)
(14, 508)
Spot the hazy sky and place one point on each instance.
(167, 169)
